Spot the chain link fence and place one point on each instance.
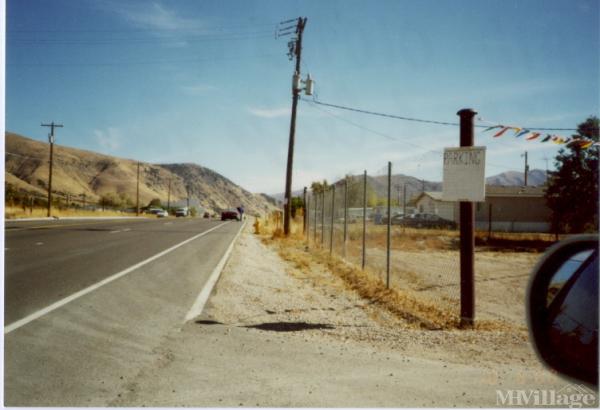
(388, 225)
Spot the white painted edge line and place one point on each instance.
(198, 306)
(76, 218)
(22, 322)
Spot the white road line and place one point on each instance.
(198, 306)
(77, 295)
(117, 231)
(126, 229)
(39, 243)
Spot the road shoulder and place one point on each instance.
(276, 334)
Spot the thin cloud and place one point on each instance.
(155, 16)
(109, 139)
(269, 112)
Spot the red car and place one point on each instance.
(230, 214)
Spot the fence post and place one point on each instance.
(490, 222)
(467, 237)
(345, 214)
(389, 225)
(304, 214)
(315, 197)
(307, 220)
(322, 217)
(364, 232)
(404, 200)
(332, 219)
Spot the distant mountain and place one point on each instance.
(535, 177)
(414, 186)
(85, 175)
(377, 186)
(281, 195)
(269, 199)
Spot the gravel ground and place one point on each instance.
(259, 288)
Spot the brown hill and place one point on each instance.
(85, 174)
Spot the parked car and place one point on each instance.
(206, 215)
(181, 212)
(426, 221)
(399, 219)
(383, 219)
(230, 214)
(162, 213)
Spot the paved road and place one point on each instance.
(72, 355)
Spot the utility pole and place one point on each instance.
(169, 196)
(389, 225)
(137, 193)
(404, 201)
(52, 125)
(546, 160)
(295, 49)
(526, 168)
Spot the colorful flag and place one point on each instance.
(586, 144)
(523, 132)
(547, 138)
(501, 132)
(492, 127)
(533, 136)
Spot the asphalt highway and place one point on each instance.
(47, 261)
(66, 351)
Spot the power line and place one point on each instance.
(142, 30)
(150, 62)
(138, 40)
(426, 150)
(398, 117)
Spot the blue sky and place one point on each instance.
(207, 82)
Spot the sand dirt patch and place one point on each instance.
(258, 288)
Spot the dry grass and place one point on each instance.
(13, 212)
(410, 239)
(415, 311)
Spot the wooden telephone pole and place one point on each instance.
(51, 139)
(295, 50)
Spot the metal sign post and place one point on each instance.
(467, 225)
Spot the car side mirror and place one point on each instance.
(563, 308)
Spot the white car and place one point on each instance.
(162, 213)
